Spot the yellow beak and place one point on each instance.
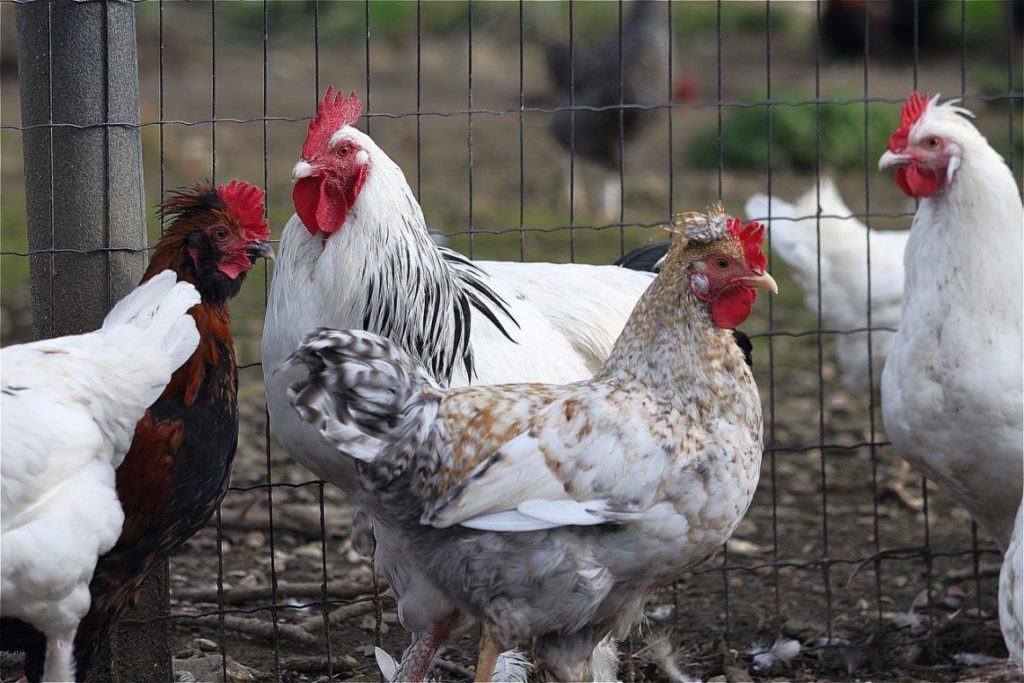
(763, 279)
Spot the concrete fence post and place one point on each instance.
(78, 70)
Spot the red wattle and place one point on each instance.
(332, 207)
(305, 197)
(235, 265)
(733, 306)
(917, 183)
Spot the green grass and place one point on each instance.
(794, 143)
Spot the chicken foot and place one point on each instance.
(418, 658)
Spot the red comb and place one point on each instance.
(245, 201)
(333, 112)
(751, 236)
(912, 110)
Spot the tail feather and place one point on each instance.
(795, 230)
(647, 258)
(826, 247)
(159, 309)
(364, 393)
(794, 240)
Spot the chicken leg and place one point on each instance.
(417, 660)
(488, 658)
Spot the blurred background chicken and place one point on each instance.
(68, 409)
(553, 512)
(177, 468)
(952, 388)
(820, 240)
(891, 25)
(604, 93)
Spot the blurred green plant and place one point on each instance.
(990, 79)
(794, 143)
(391, 20)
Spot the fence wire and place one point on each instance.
(745, 597)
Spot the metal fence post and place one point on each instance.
(78, 72)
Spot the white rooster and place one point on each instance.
(552, 512)
(845, 299)
(358, 255)
(952, 389)
(69, 409)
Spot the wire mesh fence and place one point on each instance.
(872, 570)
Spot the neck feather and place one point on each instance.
(670, 343)
(409, 290)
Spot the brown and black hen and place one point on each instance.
(178, 467)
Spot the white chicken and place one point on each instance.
(552, 512)
(845, 298)
(358, 255)
(1011, 594)
(69, 409)
(952, 388)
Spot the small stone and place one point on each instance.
(251, 581)
(309, 551)
(206, 645)
(743, 548)
(255, 540)
(239, 673)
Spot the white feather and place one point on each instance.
(386, 663)
(510, 520)
(511, 667)
(69, 409)
(844, 257)
(782, 651)
(561, 512)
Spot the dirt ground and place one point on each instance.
(843, 550)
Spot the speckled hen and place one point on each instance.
(553, 511)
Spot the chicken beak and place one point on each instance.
(303, 169)
(263, 249)
(893, 159)
(761, 278)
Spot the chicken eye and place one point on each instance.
(220, 234)
(721, 263)
(932, 142)
(344, 151)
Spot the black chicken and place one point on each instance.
(597, 117)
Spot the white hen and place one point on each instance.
(69, 409)
(952, 388)
(845, 299)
